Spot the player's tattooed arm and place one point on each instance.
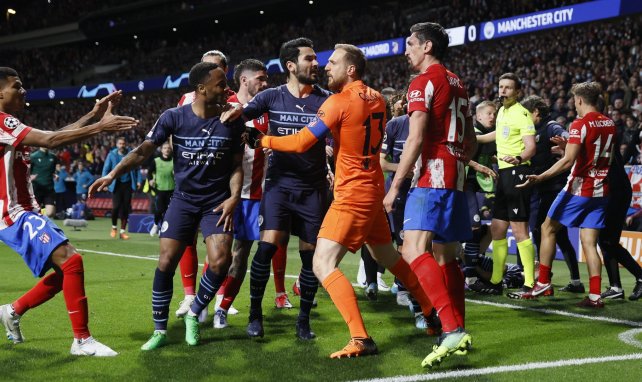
(133, 159)
(236, 183)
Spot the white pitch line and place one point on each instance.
(557, 312)
(506, 369)
(155, 258)
(628, 337)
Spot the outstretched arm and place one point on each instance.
(135, 158)
(295, 143)
(98, 111)
(53, 139)
(562, 165)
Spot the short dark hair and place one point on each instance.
(533, 102)
(589, 91)
(290, 50)
(6, 72)
(354, 56)
(216, 53)
(251, 64)
(436, 34)
(513, 77)
(200, 72)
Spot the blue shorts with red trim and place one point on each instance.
(246, 220)
(34, 237)
(442, 211)
(578, 211)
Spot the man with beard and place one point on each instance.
(295, 186)
(355, 117)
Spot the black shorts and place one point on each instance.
(44, 195)
(617, 208)
(297, 211)
(512, 204)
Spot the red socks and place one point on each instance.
(402, 271)
(73, 288)
(278, 267)
(595, 285)
(433, 282)
(232, 286)
(545, 274)
(455, 284)
(42, 292)
(189, 267)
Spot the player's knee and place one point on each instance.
(220, 262)
(321, 268)
(73, 264)
(63, 253)
(168, 260)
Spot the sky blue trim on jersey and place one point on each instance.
(318, 128)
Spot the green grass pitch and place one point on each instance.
(119, 291)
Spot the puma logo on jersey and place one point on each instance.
(300, 108)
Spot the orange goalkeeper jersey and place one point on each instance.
(356, 117)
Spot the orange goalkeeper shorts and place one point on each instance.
(351, 226)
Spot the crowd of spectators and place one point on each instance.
(176, 52)
(547, 63)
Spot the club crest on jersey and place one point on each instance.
(11, 123)
(164, 226)
(45, 238)
(320, 114)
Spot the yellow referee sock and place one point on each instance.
(500, 253)
(527, 254)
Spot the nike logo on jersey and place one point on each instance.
(72, 312)
(300, 108)
(407, 220)
(190, 275)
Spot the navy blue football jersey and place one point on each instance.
(203, 152)
(288, 115)
(397, 130)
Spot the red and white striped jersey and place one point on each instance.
(186, 99)
(16, 193)
(254, 161)
(596, 133)
(442, 95)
